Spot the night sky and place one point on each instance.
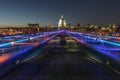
(21, 12)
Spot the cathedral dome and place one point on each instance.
(62, 22)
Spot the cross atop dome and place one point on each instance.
(62, 17)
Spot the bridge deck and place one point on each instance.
(61, 64)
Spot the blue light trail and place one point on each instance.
(94, 38)
(28, 35)
(108, 48)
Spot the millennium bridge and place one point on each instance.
(40, 56)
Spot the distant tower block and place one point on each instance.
(62, 22)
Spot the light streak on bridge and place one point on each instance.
(108, 48)
(28, 38)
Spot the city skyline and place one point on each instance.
(21, 12)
